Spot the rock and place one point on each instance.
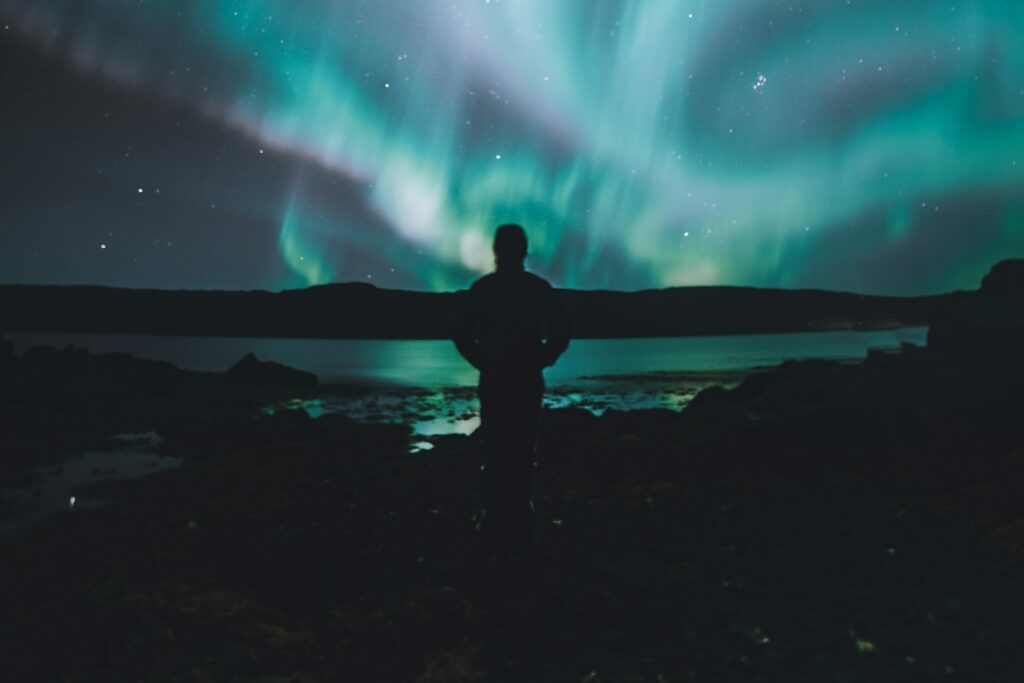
(987, 322)
(911, 350)
(1006, 279)
(49, 359)
(1015, 468)
(712, 400)
(978, 325)
(288, 417)
(7, 357)
(251, 370)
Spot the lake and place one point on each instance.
(427, 385)
(435, 364)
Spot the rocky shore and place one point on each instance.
(822, 521)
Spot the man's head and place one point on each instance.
(509, 246)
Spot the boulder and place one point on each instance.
(7, 357)
(714, 399)
(251, 370)
(1006, 279)
(989, 322)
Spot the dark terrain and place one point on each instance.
(359, 310)
(822, 521)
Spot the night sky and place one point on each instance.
(865, 145)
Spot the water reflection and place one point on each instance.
(58, 488)
(455, 410)
(434, 364)
(441, 426)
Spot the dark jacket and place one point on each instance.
(511, 321)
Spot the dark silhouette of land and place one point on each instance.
(362, 311)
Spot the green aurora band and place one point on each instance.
(655, 143)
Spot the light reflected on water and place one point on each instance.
(441, 426)
(433, 364)
(455, 410)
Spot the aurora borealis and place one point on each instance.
(866, 145)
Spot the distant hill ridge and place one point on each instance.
(364, 311)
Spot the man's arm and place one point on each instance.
(557, 324)
(464, 333)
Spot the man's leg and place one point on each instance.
(509, 412)
(522, 444)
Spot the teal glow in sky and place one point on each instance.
(872, 145)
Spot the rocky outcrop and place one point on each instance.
(251, 370)
(987, 322)
(1006, 280)
(6, 355)
(363, 311)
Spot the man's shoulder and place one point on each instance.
(528, 280)
(520, 280)
(538, 281)
(482, 284)
(482, 280)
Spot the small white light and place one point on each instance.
(71, 502)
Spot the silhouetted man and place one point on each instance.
(510, 328)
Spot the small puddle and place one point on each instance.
(57, 488)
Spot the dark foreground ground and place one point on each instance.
(822, 522)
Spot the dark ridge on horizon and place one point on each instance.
(360, 284)
(361, 310)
